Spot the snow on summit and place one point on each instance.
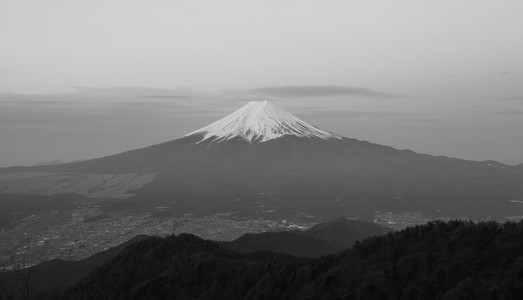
(260, 121)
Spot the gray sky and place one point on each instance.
(81, 79)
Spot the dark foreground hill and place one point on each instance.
(55, 275)
(454, 260)
(321, 239)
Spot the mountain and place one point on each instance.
(321, 239)
(49, 277)
(263, 161)
(454, 260)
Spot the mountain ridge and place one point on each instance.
(439, 260)
(319, 240)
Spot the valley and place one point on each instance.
(89, 228)
(78, 233)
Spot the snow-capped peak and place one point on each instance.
(260, 121)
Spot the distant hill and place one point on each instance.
(182, 266)
(289, 242)
(58, 274)
(345, 231)
(321, 239)
(454, 260)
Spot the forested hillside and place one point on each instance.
(454, 260)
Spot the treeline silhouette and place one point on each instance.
(439, 260)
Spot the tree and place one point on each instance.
(16, 284)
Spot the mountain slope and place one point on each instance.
(185, 266)
(454, 260)
(261, 149)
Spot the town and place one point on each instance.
(79, 233)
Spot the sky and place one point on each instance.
(84, 79)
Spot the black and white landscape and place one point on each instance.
(261, 150)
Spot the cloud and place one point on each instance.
(168, 96)
(41, 100)
(151, 105)
(107, 105)
(148, 103)
(503, 73)
(144, 92)
(307, 91)
(357, 114)
(516, 98)
(36, 102)
(509, 112)
(137, 97)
